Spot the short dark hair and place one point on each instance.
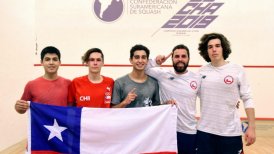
(51, 50)
(204, 45)
(138, 47)
(85, 57)
(181, 46)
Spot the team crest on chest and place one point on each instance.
(228, 79)
(193, 85)
(108, 95)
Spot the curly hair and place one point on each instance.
(204, 43)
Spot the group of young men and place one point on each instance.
(219, 84)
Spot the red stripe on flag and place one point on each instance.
(164, 152)
(44, 152)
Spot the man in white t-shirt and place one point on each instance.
(223, 85)
(179, 86)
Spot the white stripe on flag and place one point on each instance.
(130, 130)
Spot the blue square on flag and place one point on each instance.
(54, 129)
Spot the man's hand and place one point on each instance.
(171, 101)
(160, 59)
(21, 106)
(130, 97)
(250, 136)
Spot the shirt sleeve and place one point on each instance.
(153, 69)
(156, 97)
(27, 93)
(116, 94)
(245, 90)
(71, 94)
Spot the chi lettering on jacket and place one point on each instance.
(84, 98)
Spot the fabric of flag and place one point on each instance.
(55, 129)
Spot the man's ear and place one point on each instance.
(130, 60)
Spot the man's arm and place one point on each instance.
(250, 134)
(157, 62)
(160, 59)
(123, 104)
(72, 94)
(245, 93)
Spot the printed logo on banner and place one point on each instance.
(108, 10)
(111, 10)
(191, 17)
(194, 15)
(150, 7)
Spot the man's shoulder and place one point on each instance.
(80, 78)
(193, 74)
(108, 79)
(65, 80)
(235, 66)
(36, 80)
(205, 66)
(122, 78)
(152, 79)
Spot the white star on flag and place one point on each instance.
(55, 130)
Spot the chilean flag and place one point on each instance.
(73, 130)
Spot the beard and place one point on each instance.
(180, 69)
